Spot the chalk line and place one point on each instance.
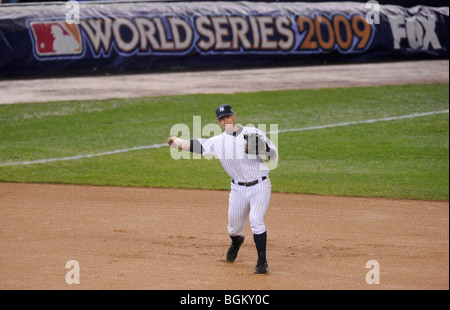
(155, 146)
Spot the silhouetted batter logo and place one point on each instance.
(56, 38)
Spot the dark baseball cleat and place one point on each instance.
(261, 268)
(234, 249)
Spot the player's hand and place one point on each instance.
(171, 139)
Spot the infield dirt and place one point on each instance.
(148, 238)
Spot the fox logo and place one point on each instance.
(56, 38)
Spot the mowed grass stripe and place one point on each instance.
(154, 146)
(406, 158)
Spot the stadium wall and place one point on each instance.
(96, 37)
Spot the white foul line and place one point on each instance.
(155, 146)
(393, 118)
(49, 160)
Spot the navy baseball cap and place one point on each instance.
(224, 110)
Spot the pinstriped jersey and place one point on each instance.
(230, 150)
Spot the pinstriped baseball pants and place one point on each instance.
(251, 202)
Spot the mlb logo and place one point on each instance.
(56, 38)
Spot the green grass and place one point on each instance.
(405, 158)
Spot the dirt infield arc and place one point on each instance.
(223, 81)
(146, 238)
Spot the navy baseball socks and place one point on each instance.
(260, 242)
(236, 242)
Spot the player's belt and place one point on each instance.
(247, 184)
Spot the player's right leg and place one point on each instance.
(238, 210)
(236, 242)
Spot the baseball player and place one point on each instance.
(242, 151)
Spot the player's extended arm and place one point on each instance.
(181, 144)
(186, 145)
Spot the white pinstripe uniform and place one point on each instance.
(250, 183)
(244, 201)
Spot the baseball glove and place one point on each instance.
(254, 145)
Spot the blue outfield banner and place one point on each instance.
(87, 37)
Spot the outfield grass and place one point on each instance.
(405, 158)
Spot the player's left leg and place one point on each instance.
(260, 242)
(259, 202)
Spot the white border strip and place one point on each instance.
(156, 146)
